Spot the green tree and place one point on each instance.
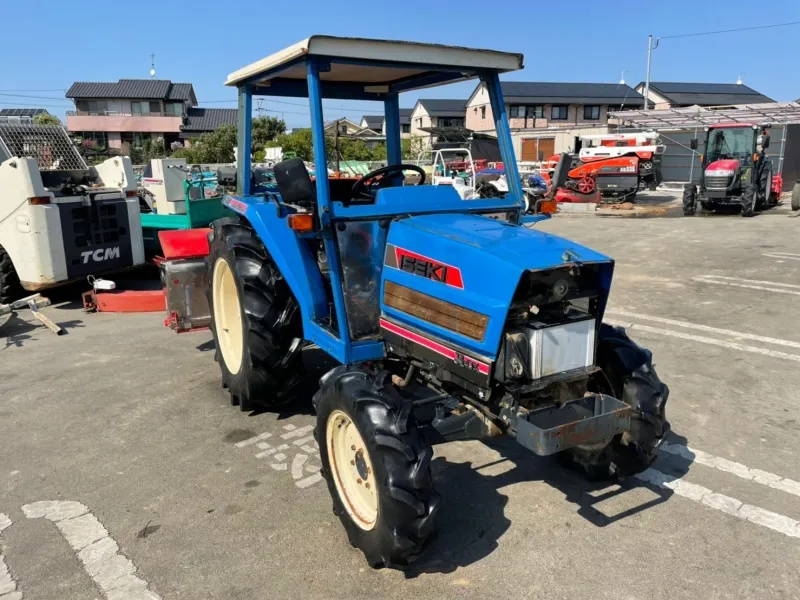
(214, 147)
(264, 130)
(46, 119)
(298, 141)
(411, 147)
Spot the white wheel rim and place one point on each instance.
(352, 469)
(227, 316)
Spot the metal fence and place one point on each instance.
(49, 145)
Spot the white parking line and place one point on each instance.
(253, 440)
(771, 480)
(704, 340)
(778, 288)
(298, 432)
(706, 328)
(8, 587)
(111, 570)
(782, 255)
(721, 502)
(755, 281)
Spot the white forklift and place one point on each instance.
(61, 220)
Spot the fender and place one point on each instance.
(291, 253)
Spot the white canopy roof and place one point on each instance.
(416, 58)
(776, 113)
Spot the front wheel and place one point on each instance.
(10, 287)
(255, 319)
(627, 373)
(749, 200)
(689, 200)
(796, 196)
(376, 465)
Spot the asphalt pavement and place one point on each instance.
(125, 473)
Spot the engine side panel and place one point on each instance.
(471, 262)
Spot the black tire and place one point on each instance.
(271, 365)
(407, 501)
(749, 200)
(689, 200)
(765, 184)
(796, 196)
(628, 374)
(10, 287)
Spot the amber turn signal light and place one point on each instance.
(301, 223)
(38, 200)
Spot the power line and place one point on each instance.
(26, 90)
(683, 35)
(36, 97)
(38, 104)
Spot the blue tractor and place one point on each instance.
(450, 319)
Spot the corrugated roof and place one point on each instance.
(707, 94)
(444, 107)
(146, 89)
(22, 112)
(570, 93)
(208, 119)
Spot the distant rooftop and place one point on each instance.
(443, 107)
(199, 119)
(22, 112)
(617, 94)
(707, 94)
(133, 89)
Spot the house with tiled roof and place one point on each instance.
(130, 111)
(547, 118)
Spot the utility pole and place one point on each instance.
(260, 107)
(650, 47)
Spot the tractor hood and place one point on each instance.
(724, 164)
(474, 262)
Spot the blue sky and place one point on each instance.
(203, 40)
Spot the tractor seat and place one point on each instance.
(294, 183)
(296, 186)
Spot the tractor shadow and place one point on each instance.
(472, 516)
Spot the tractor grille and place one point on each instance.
(716, 182)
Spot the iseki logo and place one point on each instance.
(425, 268)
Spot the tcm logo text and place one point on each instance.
(100, 254)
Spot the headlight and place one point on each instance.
(720, 173)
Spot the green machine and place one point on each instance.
(174, 196)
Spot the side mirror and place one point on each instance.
(694, 144)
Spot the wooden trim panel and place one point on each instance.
(433, 310)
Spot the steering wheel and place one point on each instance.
(360, 187)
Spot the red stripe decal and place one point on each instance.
(434, 346)
(452, 275)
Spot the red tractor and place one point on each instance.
(735, 171)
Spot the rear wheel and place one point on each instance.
(10, 287)
(689, 200)
(255, 319)
(627, 373)
(796, 196)
(376, 465)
